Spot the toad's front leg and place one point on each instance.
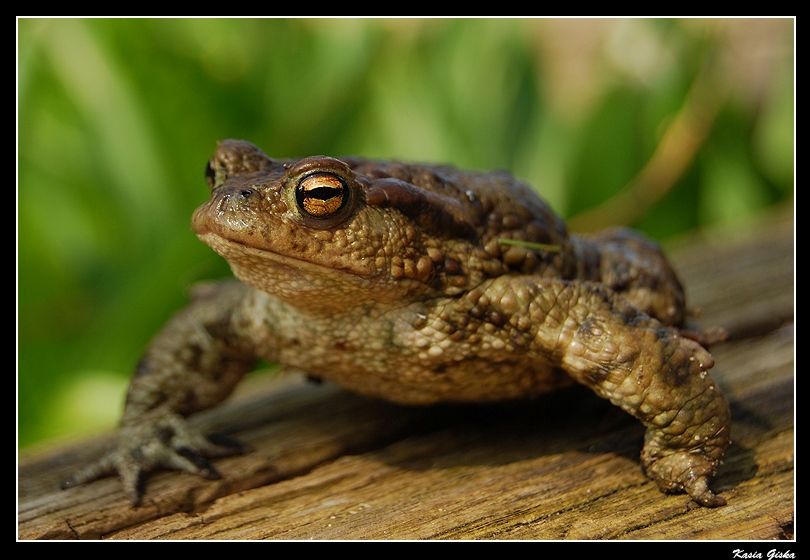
(645, 368)
(191, 365)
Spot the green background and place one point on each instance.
(116, 119)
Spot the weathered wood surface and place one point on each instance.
(331, 465)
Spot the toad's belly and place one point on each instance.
(469, 380)
(409, 354)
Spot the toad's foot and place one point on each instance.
(164, 442)
(684, 445)
(685, 472)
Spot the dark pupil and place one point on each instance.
(322, 193)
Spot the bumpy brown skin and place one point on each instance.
(398, 281)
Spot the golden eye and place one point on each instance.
(321, 195)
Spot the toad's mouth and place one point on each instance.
(256, 266)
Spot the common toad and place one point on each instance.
(419, 284)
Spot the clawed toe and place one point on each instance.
(167, 443)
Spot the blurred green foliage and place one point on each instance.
(116, 119)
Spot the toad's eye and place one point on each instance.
(321, 195)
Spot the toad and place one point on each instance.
(419, 284)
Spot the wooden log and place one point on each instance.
(328, 464)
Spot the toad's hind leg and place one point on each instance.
(640, 365)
